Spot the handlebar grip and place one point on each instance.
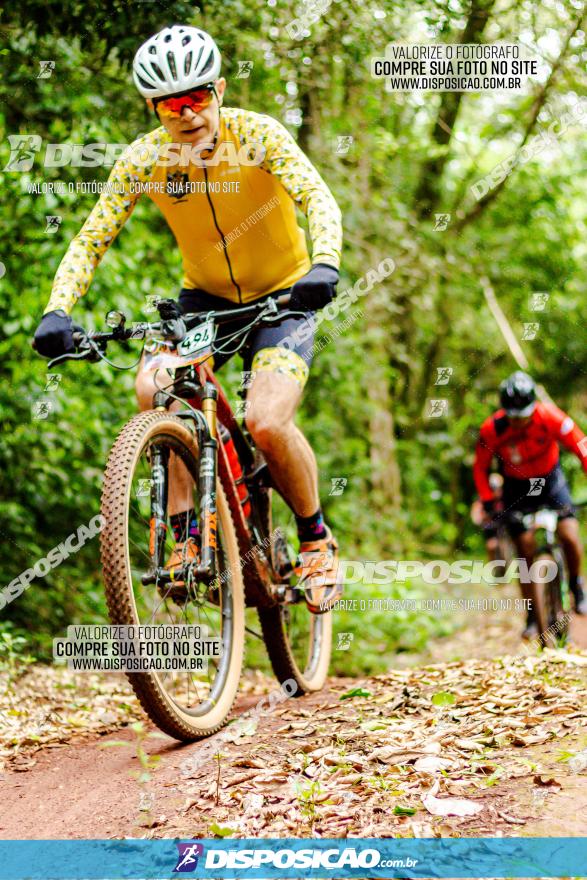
(284, 299)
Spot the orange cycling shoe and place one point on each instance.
(318, 572)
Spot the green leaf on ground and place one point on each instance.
(403, 811)
(355, 692)
(218, 831)
(444, 698)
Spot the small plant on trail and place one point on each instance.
(13, 660)
(147, 766)
(218, 757)
(308, 798)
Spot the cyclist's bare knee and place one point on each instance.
(568, 530)
(271, 405)
(268, 428)
(144, 389)
(525, 544)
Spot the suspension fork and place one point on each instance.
(159, 494)
(207, 483)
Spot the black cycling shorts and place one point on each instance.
(261, 337)
(526, 496)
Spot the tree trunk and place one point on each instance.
(428, 192)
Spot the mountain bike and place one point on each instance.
(549, 594)
(246, 553)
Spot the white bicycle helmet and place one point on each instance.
(175, 60)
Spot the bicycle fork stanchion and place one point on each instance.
(159, 489)
(207, 484)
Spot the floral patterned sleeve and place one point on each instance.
(302, 182)
(107, 218)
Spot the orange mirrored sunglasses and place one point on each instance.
(195, 100)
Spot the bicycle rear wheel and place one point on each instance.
(186, 705)
(298, 642)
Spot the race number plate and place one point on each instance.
(198, 339)
(193, 349)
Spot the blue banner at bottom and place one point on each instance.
(288, 858)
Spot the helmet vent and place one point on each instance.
(187, 63)
(172, 66)
(186, 40)
(208, 64)
(144, 83)
(158, 72)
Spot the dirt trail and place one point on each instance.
(378, 762)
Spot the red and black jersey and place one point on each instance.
(525, 451)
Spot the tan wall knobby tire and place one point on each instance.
(282, 659)
(167, 714)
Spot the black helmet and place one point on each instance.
(517, 394)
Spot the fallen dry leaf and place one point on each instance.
(449, 806)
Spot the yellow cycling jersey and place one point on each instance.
(233, 214)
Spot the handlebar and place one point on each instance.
(89, 345)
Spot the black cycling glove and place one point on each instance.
(54, 335)
(489, 506)
(315, 290)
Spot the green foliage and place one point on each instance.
(429, 313)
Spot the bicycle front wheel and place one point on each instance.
(185, 704)
(554, 618)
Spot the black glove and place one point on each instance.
(489, 507)
(54, 335)
(315, 290)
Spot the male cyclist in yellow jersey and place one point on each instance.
(228, 182)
